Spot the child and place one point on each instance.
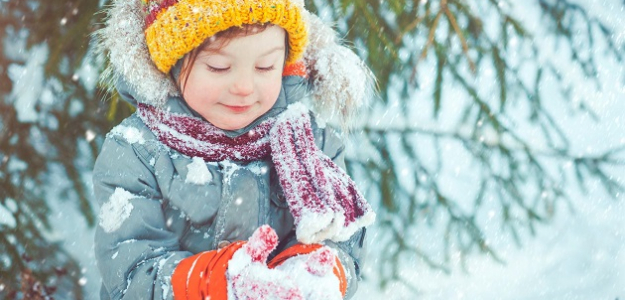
(222, 185)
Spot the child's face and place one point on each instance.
(234, 85)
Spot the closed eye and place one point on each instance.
(217, 70)
(265, 69)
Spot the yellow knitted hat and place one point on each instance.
(175, 27)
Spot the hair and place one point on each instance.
(218, 41)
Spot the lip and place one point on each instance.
(237, 109)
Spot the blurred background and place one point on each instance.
(493, 154)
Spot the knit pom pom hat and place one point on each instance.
(143, 39)
(175, 27)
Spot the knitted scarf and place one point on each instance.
(322, 198)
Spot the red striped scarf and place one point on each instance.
(322, 198)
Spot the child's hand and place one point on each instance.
(248, 274)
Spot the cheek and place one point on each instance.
(272, 89)
(191, 95)
(189, 88)
(198, 89)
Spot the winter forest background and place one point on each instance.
(494, 153)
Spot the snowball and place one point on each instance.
(131, 134)
(114, 212)
(312, 286)
(238, 262)
(198, 172)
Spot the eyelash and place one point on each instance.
(267, 69)
(220, 70)
(217, 70)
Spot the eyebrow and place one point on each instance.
(278, 48)
(209, 51)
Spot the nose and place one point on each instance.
(243, 84)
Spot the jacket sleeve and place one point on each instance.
(135, 253)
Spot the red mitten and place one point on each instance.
(316, 270)
(203, 275)
(237, 271)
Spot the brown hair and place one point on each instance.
(218, 41)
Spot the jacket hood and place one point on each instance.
(339, 80)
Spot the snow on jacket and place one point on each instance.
(159, 206)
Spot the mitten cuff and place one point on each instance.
(302, 249)
(203, 276)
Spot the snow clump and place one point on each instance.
(198, 172)
(131, 134)
(114, 212)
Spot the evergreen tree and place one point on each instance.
(411, 46)
(454, 46)
(60, 129)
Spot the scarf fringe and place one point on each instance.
(323, 199)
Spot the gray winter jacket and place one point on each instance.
(153, 215)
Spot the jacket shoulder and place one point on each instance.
(132, 130)
(131, 138)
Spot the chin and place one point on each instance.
(232, 126)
